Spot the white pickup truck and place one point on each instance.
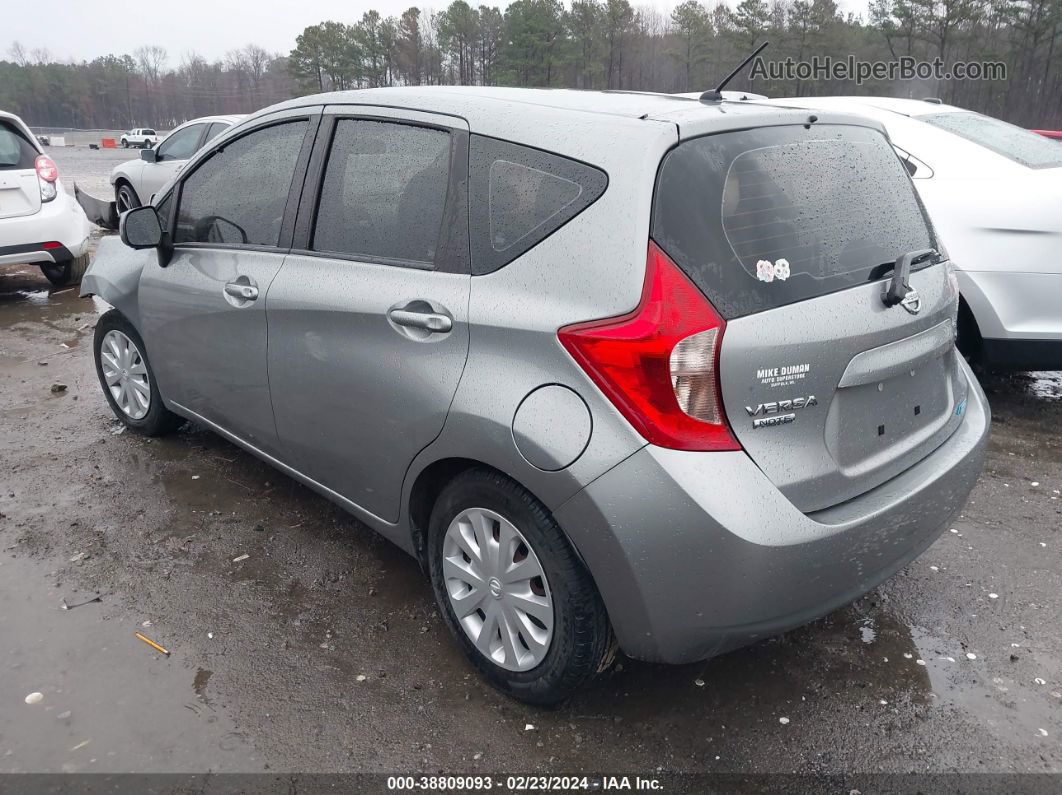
(144, 137)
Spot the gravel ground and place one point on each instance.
(322, 650)
(90, 168)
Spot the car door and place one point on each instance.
(170, 157)
(368, 329)
(203, 314)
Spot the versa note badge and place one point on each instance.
(768, 415)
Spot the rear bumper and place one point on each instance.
(59, 221)
(32, 254)
(1014, 306)
(698, 553)
(1016, 354)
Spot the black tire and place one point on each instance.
(159, 420)
(582, 644)
(968, 336)
(125, 144)
(63, 274)
(125, 196)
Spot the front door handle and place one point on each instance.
(428, 321)
(244, 292)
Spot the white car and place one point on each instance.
(994, 193)
(39, 221)
(143, 137)
(136, 181)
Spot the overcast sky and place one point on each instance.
(83, 29)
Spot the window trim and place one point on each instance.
(452, 249)
(312, 116)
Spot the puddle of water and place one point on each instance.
(110, 704)
(999, 701)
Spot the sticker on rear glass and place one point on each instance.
(767, 271)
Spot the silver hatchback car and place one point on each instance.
(622, 371)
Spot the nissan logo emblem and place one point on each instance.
(912, 302)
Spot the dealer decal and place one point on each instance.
(786, 375)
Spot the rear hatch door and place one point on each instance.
(792, 231)
(20, 193)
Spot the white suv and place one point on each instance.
(144, 137)
(39, 222)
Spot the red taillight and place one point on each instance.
(46, 168)
(52, 244)
(659, 364)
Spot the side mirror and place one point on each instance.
(140, 228)
(149, 155)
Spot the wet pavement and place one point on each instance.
(322, 651)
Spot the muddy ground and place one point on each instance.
(322, 651)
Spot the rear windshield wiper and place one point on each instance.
(901, 270)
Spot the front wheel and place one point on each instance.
(63, 274)
(125, 144)
(125, 198)
(512, 590)
(127, 379)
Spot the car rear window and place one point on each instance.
(1014, 143)
(521, 196)
(146, 131)
(765, 217)
(16, 153)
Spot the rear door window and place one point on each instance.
(765, 217)
(384, 192)
(16, 153)
(521, 196)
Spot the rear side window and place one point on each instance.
(384, 192)
(216, 129)
(765, 217)
(1015, 143)
(521, 196)
(238, 195)
(146, 131)
(16, 153)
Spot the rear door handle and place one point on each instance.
(245, 292)
(428, 321)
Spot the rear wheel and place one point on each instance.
(127, 379)
(62, 274)
(512, 590)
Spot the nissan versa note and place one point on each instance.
(622, 371)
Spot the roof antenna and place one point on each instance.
(716, 94)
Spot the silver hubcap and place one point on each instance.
(125, 373)
(497, 589)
